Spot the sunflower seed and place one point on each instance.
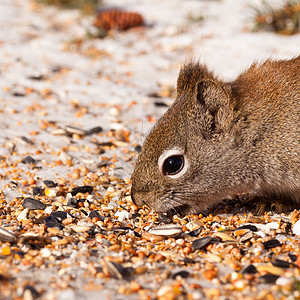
(36, 191)
(50, 183)
(281, 263)
(97, 129)
(249, 226)
(138, 148)
(6, 236)
(195, 232)
(122, 229)
(30, 292)
(24, 140)
(103, 144)
(72, 202)
(82, 189)
(30, 236)
(271, 244)
(169, 230)
(249, 270)
(163, 218)
(33, 204)
(268, 278)
(115, 270)
(54, 224)
(95, 214)
(59, 131)
(160, 104)
(246, 236)
(182, 274)
(292, 257)
(201, 243)
(74, 130)
(59, 215)
(29, 160)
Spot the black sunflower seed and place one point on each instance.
(95, 214)
(59, 215)
(249, 270)
(281, 263)
(26, 140)
(247, 236)
(182, 274)
(138, 148)
(201, 243)
(268, 278)
(154, 95)
(104, 144)
(34, 294)
(18, 94)
(94, 252)
(37, 191)
(33, 203)
(288, 228)
(188, 261)
(50, 219)
(137, 234)
(292, 257)
(103, 163)
(160, 104)
(84, 212)
(97, 129)
(271, 244)
(195, 232)
(72, 202)
(250, 227)
(122, 229)
(54, 224)
(37, 77)
(50, 183)
(164, 218)
(29, 160)
(82, 189)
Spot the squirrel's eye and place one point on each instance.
(173, 165)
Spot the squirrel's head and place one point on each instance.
(178, 169)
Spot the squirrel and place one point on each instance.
(220, 139)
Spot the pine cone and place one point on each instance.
(117, 19)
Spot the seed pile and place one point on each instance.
(116, 246)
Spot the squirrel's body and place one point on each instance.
(219, 139)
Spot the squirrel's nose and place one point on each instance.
(135, 197)
(132, 197)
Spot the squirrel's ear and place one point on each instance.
(213, 96)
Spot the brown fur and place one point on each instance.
(237, 137)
